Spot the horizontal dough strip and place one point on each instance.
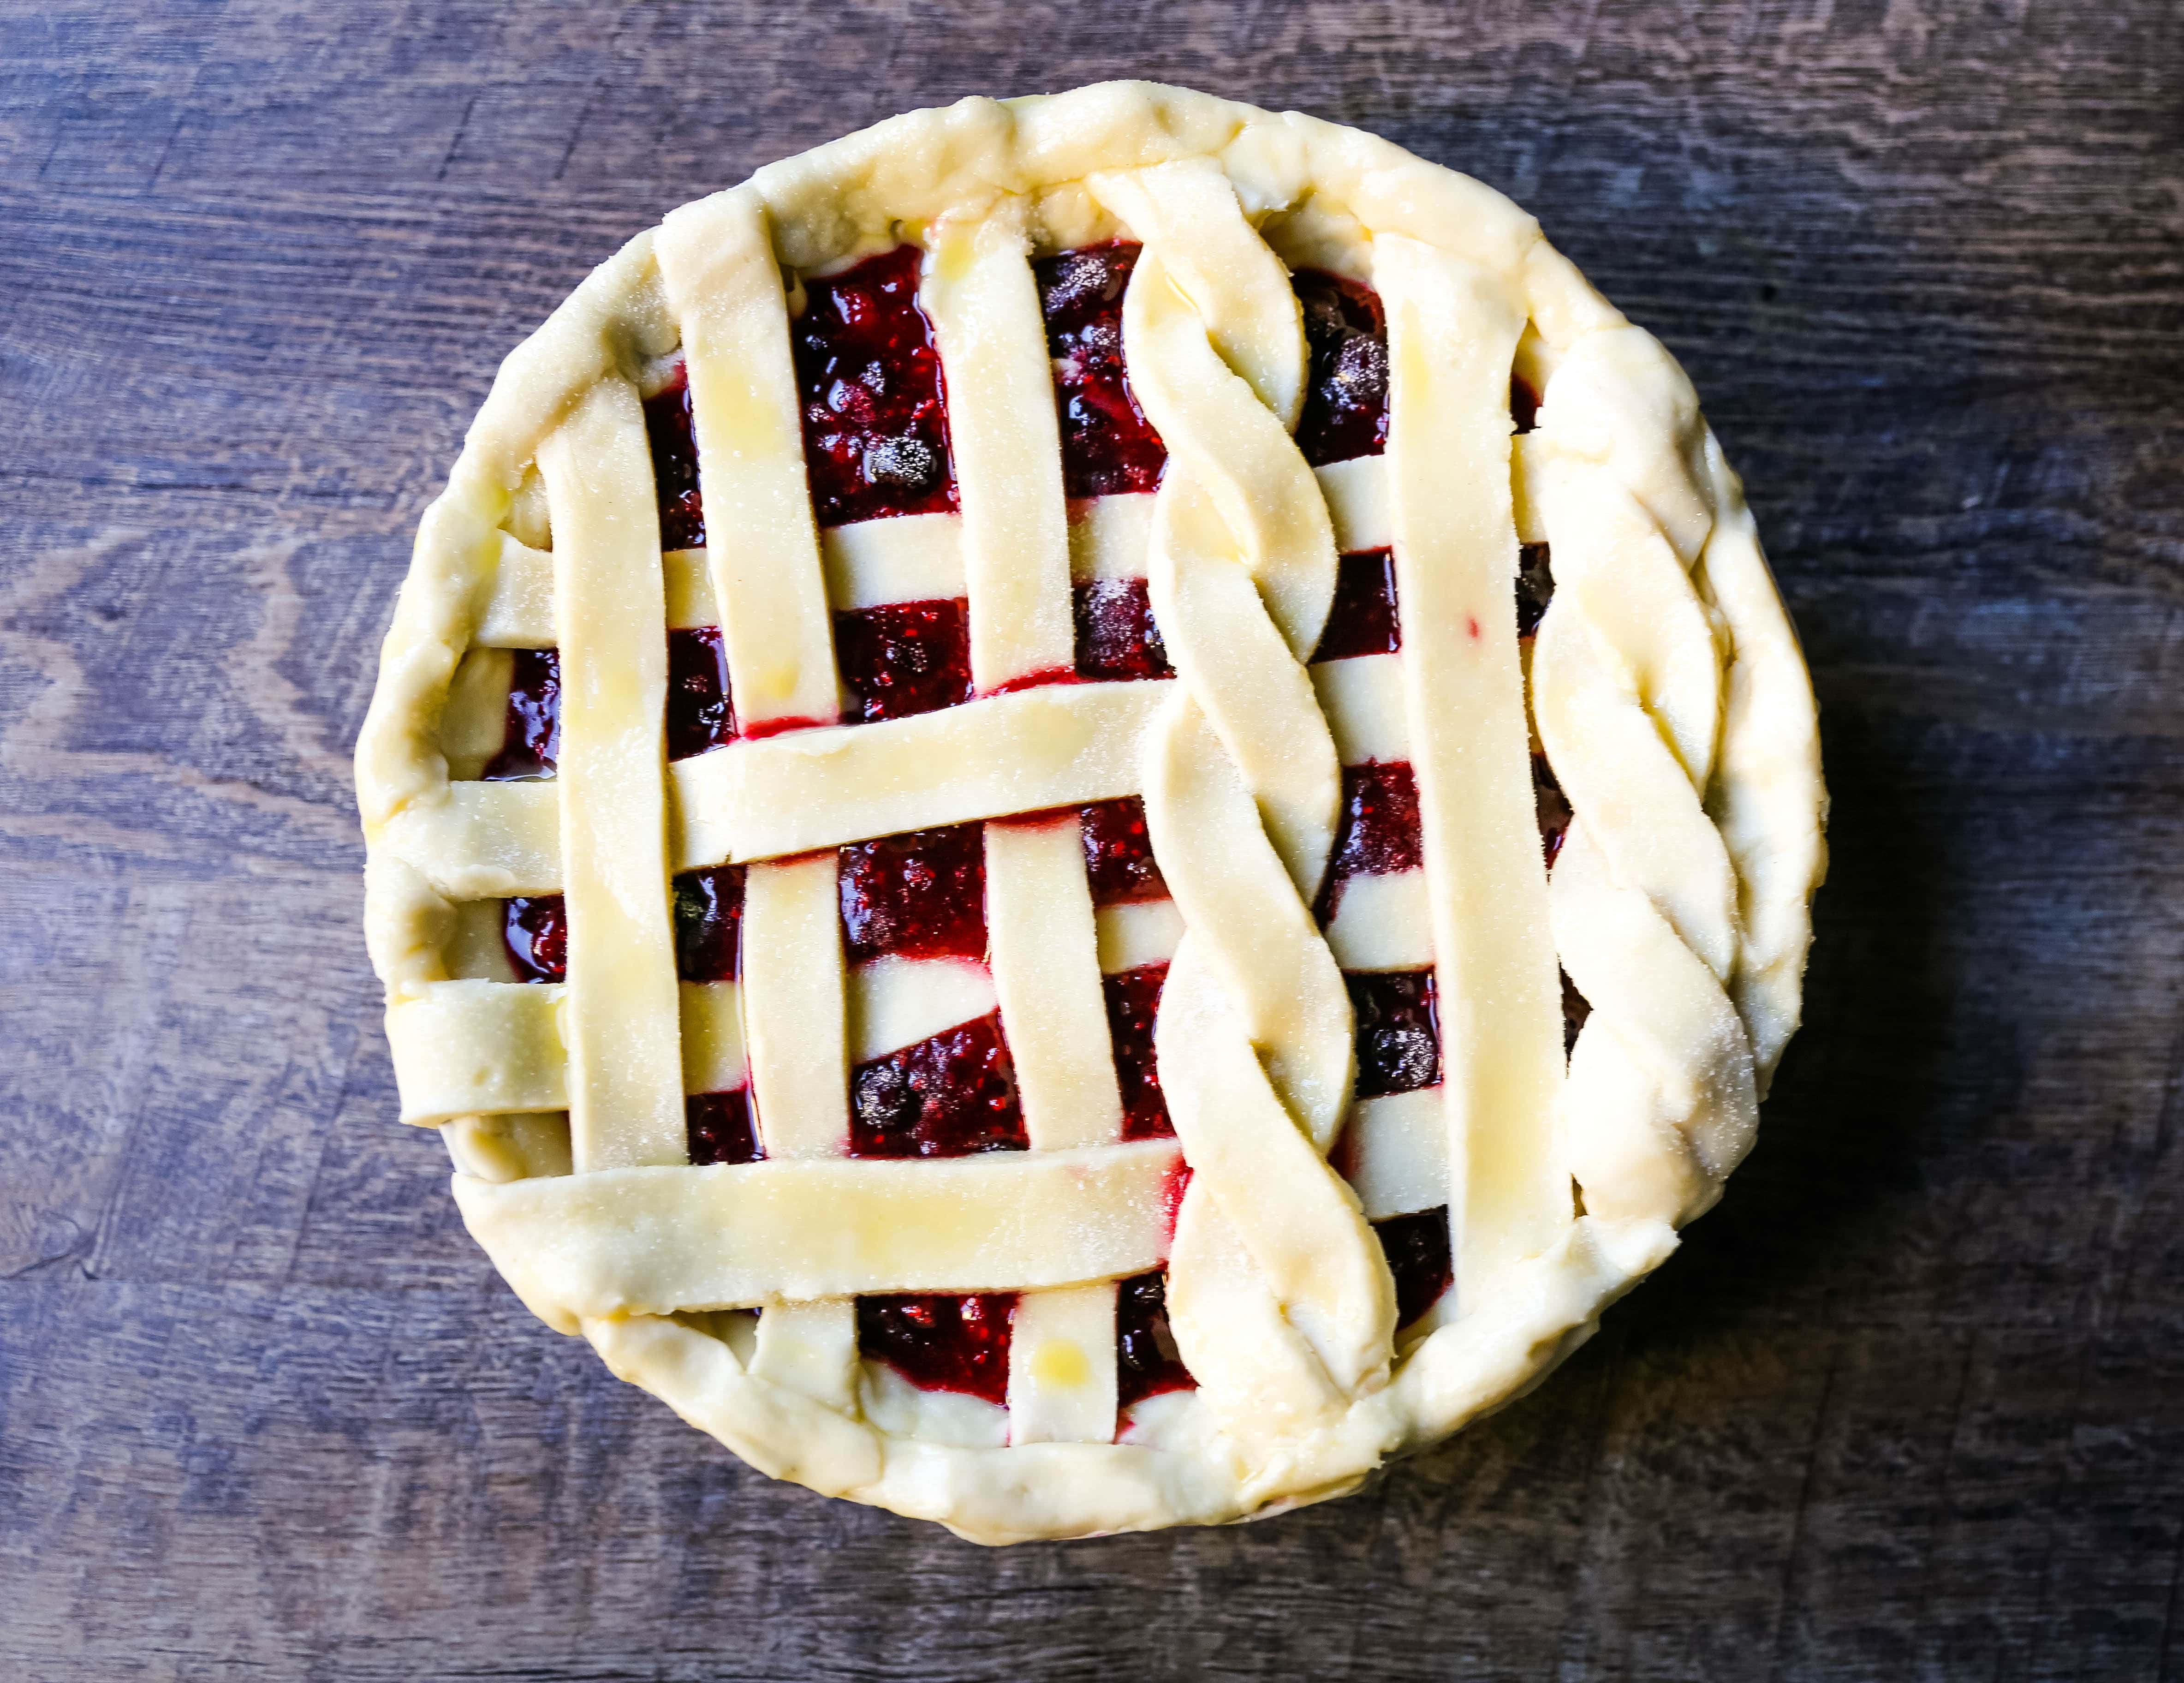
(655, 1240)
(919, 557)
(1057, 745)
(494, 1048)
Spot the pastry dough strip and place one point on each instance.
(653, 1241)
(1452, 333)
(620, 1014)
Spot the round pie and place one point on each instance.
(1087, 811)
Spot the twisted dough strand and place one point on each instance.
(1279, 1296)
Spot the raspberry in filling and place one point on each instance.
(918, 895)
(719, 1128)
(700, 715)
(1107, 445)
(1146, 1361)
(535, 929)
(1118, 852)
(531, 743)
(1418, 1251)
(1345, 404)
(1117, 636)
(875, 411)
(709, 923)
(1132, 1006)
(942, 1343)
(668, 429)
(1361, 619)
(954, 1096)
(905, 658)
(1398, 1030)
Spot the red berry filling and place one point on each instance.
(875, 415)
(1146, 1360)
(709, 923)
(535, 929)
(1117, 637)
(1118, 852)
(1398, 1030)
(1377, 833)
(1132, 1006)
(531, 742)
(1361, 619)
(720, 1128)
(942, 1343)
(1345, 404)
(905, 658)
(951, 1096)
(700, 715)
(1418, 1251)
(668, 429)
(1107, 445)
(918, 895)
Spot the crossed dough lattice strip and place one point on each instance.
(1666, 687)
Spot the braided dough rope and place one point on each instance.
(1237, 760)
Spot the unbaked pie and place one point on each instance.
(1086, 812)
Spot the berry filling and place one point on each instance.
(720, 1128)
(1117, 637)
(1146, 1361)
(1553, 807)
(1377, 833)
(1345, 404)
(918, 895)
(1118, 852)
(1107, 445)
(531, 742)
(1361, 619)
(942, 1343)
(668, 429)
(875, 415)
(954, 1096)
(700, 715)
(1576, 1008)
(905, 658)
(1398, 1030)
(1132, 1005)
(709, 923)
(1536, 588)
(1523, 404)
(535, 929)
(1418, 1251)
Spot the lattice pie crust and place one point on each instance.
(1664, 689)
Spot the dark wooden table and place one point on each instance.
(1910, 1404)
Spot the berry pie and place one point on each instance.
(1088, 811)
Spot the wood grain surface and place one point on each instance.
(1910, 1404)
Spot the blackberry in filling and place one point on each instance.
(1346, 402)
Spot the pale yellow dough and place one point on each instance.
(1666, 687)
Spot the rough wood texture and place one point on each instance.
(1910, 1404)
